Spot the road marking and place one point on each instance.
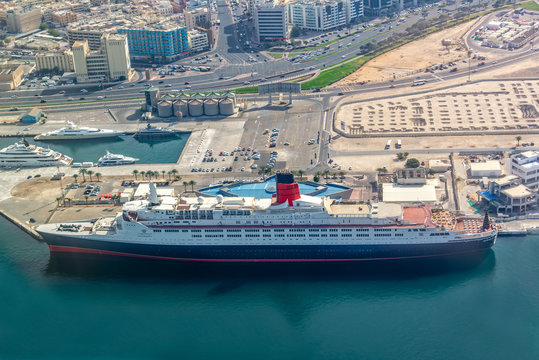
(437, 77)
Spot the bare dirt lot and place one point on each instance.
(414, 57)
(40, 188)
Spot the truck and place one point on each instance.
(388, 145)
(398, 145)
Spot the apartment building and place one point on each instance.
(198, 41)
(377, 7)
(508, 196)
(271, 21)
(158, 43)
(197, 17)
(324, 15)
(23, 19)
(64, 17)
(525, 165)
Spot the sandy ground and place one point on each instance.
(415, 57)
(40, 188)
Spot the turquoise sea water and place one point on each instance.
(485, 309)
(149, 152)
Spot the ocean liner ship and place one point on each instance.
(290, 227)
(22, 154)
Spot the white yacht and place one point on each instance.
(22, 154)
(72, 131)
(115, 159)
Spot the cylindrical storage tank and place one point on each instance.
(164, 108)
(211, 107)
(226, 107)
(196, 108)
(181, 105)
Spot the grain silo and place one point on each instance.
(181, 105)
(226, 106)
(211, 107)
(196, 107)
(164, 108)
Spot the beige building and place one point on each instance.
(23, 19)
(60, 61)
(11, 76)
(197, 17)
(109, 63)
(198, 41)
(64, 17)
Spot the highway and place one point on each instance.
(236, 70)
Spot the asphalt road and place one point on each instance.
(236, 71)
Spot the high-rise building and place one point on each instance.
(109, 63)
(160, 43)
(23, 19)
(325, 14)
(270, 21)
(377, 7)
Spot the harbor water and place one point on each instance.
(165, 151)
(487, 308)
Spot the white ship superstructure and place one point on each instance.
(115, 159)
(72, 131)
(22, 154)
(289, 227)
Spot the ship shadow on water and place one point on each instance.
(231, 276)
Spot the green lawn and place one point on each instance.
(246, 90)
(529, 5)
(332, 75)
(275, 55)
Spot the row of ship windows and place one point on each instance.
(283, 230)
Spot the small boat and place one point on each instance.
(87, 164)
(154, 132)
(72, 131)
(76, 165)
(115, 159)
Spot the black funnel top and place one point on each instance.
(284, 178)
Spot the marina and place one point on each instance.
(165, 151)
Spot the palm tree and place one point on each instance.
(97, 175)
(163, 174)
(185, 183)
(262, 171)
(326, 173)
(301, 173)
(75, 176)
(169, 174)
(142, 173)
(192, 183)
(518, 138)
(58, 201)
(135, 172)
(90, 173)
(341, 173)
(174, 172)
(83, 173)
(86, 198)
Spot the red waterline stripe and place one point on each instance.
(68, 249)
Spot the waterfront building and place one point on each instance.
(198, 41)
(32, 116)
(525, 165)
(508, 196)
(62, 61)
(23, 19)
(270, 21)
(110, 63)
(157, 43)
